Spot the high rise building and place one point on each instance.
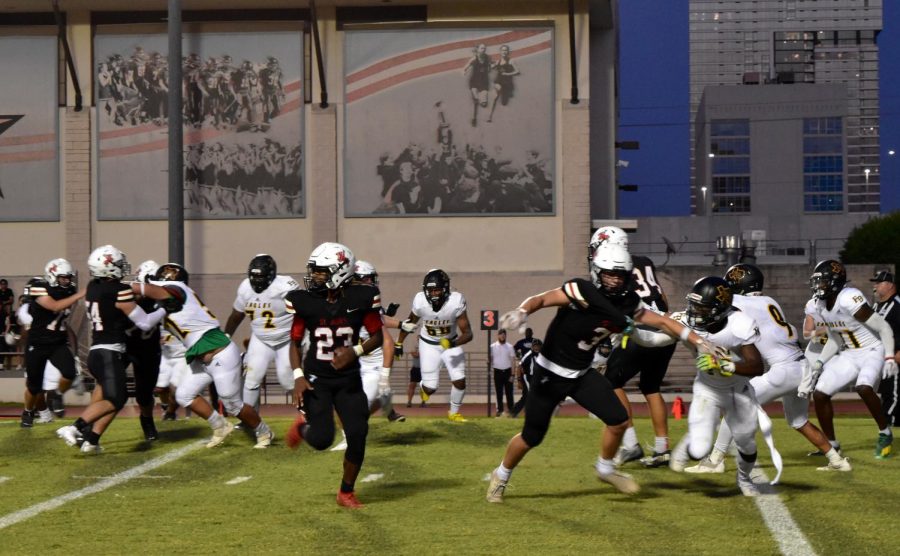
(789, 42)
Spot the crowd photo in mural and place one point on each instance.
(29, 121)
(242, 113)
(444, 121)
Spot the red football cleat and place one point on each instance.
(349, 500)
(294, 436)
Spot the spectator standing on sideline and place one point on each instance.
(526, 371)
(887, 304)
(523, 346)
(503, 359)
(7, 296)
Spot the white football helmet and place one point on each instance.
(365, 269)
(146, 271)
(108, 262)
(338, 262)
(56, 268)
(610, 258)
(607, 234)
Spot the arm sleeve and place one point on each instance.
(877, 323)
(830, 349)
(146, 322)
(648, 338)
(372, 322)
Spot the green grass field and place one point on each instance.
(430, 499)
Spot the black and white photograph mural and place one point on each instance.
(29, 122)
(242, 110)
(449, 121)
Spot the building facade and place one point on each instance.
(789, 43)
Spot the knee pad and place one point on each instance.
(233, 404)
(182, 398)
(35, 386)
(533, 436)
(118, 399)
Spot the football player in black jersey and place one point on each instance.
(588, 311)
(332, 312)
(112, 310)
(48, 338)
(651, 362)
(144, 352)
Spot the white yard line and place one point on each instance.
(237, 480)
(372, 478)
(790, 538)
(115, 480)
(4, 479)
(98, 477)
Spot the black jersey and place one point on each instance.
(107, 321)
(578, 327)
(333, 325)
(139, 341)
(48, 327)
(645, 284)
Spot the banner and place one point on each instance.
(243, 129)
(449, 122)
(29, 126)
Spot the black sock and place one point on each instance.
(92, 438)
(80, 423)
(346, 487)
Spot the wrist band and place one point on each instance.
(358, 350)
(685, 332)
(298, 373)
(142, 289)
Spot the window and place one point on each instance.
(730, 167)
(823, 164)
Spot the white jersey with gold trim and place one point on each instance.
(172, 348)
(778, 339)
(438, 324)
(269, 320)
(840, 319)
(739, 330)
(193, 320)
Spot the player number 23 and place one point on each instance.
(327, 340)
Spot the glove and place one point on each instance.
(170, 304)
(710, 364)
(810, 376)
(384, 382)
(889, 370)
(398, 350)
(627, 331)
(392, 309)
(446, 343)
(514, 320)
(408, 326)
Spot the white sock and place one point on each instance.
(661, 444)
(216, 420)
(835, 444)
(605, 466)
(262, 429)
(886, 430)
(833, 456)
(503, 472)
(456, 398)
(630, 439)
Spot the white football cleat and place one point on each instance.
(93, 449)
(70, 434)
(842, 464)
(746, 484)
(44, 416)
(264, 440)
(624, 455)
(706, 465)
(496, 489)
(220, 434)
(623, 482)
(680, 457)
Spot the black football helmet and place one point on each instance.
(828, 278)
(172, 272)
(261, 272)
(35, 281)
(744, 278)
(709, 303)
(436, 287)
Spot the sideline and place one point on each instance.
(115, 480)
(784, 530)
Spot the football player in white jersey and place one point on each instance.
(853, 351)
(261, 297)
(723, 379)
(210, 353)
(780, 350)
(173, 370)
(445, 327)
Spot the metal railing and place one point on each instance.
(725, 248)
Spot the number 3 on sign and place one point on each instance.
(489, 319)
